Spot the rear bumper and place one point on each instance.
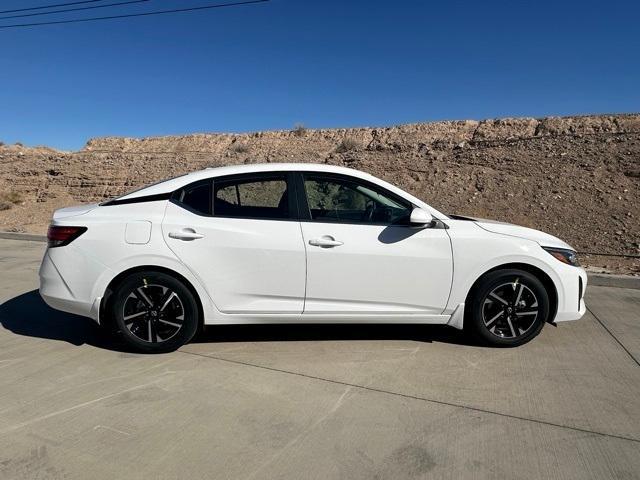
(572, 307)
(67, 305)
(58, 293)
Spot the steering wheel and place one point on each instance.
(369, 210)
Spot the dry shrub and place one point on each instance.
(9, 199)
(347, 144)
(239, 148)
(299, 130)
(11, 196)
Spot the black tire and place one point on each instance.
(171, 317)
(500, 308)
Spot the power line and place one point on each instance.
(144, 14)
(74, 9)
(49, 6)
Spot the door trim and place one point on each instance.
(326, 318)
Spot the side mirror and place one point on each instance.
(420, 218)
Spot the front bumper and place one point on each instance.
(571, 305)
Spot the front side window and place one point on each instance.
(349, 201)
(251, 198)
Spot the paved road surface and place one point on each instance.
(315, 402)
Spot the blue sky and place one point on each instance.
(323, 63)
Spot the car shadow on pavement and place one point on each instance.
(28, 315)
(332, 332)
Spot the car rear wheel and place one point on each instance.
(507, 308)
(154, 312)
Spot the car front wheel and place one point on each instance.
(507, 308)
(154, 312)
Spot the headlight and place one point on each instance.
(564, 255)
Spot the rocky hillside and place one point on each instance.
(575, 177)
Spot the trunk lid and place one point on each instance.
(68, 212)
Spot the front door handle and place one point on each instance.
(186, 234)
(326, 241)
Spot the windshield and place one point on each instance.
(378, 198)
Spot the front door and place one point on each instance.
(238, 236)
(363, 257)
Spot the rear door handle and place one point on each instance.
(326, 241)
(186, 234)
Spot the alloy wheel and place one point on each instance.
(510, 310)
(153, 313)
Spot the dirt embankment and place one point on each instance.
(575, 177)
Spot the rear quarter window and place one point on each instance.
(195, 197)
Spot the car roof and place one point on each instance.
(173, 184)
(278, 167)
(176, 183)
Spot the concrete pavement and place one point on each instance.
(319, 402)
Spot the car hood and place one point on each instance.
(73, 211)
(544, 239)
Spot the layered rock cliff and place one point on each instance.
(575, 177)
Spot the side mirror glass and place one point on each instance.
(420, 218)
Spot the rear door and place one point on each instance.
(240, 237)
(362, 255)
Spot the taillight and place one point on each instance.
(61, 236)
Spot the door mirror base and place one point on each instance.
(421, 218)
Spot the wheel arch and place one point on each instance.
(540, 274)
(108, 293)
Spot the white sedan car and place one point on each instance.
(300, 243)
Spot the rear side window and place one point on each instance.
(256, 197)
(196, 197)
